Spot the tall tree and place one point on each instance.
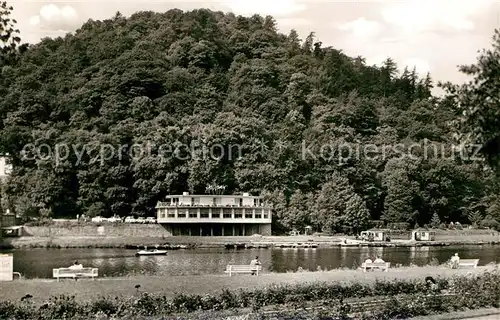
(477, 102)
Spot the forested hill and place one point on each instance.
(212, 79)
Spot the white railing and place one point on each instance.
(170, 205)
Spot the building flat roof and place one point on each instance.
(213, 195)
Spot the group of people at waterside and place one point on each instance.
(377, 260)
(454, 261)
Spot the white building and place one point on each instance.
(215, 215)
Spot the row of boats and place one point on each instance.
(158, 252)
(267, 245)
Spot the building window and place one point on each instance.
(181, 213)
(267, 213)
(238, 216)
(193, 213)
(248, 215)
(215, 214)
(227, 215)
(204, 213)
(258, 216)
(171, 214)
(162, 213)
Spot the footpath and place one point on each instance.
(480, 314)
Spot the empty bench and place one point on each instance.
(74, 273)
(384, 266)
(468, 263)
(230, 269)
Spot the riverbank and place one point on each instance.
(133, 236)
(170, 243)
(86, 290)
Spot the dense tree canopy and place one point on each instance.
(110, 119)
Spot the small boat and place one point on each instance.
(154, 252)
(351, 243)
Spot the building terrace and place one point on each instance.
(215, 215)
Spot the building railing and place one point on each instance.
(174, 205)
(233, 213)
(215, 219)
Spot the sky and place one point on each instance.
(433, 36)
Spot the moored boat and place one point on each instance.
(351, 243)
(154, 252)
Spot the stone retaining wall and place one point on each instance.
(104, 230)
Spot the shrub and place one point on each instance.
(490, 223)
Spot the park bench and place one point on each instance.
(384, 266)
(74, 273)
(464, 263)
(243, 269)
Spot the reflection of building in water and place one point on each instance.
(215, 215)
(364, 252)
(378, 252)
(419, 253)
(343, 253)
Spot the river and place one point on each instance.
(38, 263)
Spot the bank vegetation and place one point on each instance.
(379, 300)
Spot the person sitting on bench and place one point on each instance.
(255, 262)
(455, 260)
(378, 260)
(76, 265)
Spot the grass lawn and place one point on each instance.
(42, 289)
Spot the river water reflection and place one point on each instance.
(38, 263)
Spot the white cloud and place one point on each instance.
(422, 66)
(35, 20)
(54, 17)
(293, 22)
(362, 27)
(375, 60)
(265, 7)
(421, 15)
